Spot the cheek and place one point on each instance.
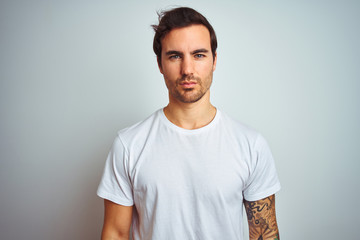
(169, 77)
(170, 72)
(206, 67)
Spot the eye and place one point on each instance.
(199, 55)
(174, 57)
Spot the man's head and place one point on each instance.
(179, 18)
(185, 45)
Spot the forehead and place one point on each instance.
(187, 38)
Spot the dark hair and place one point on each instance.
(178, 18)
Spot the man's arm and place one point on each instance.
(262, 219)
(117, 221)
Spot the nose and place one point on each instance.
(187, 67)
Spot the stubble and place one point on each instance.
(193, 94)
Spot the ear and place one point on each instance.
(215, 60)
(159, 65)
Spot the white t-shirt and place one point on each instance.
(188, 184)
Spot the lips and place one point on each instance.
(186, 84)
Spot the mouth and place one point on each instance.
(187, 84)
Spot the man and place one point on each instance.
(184, 172)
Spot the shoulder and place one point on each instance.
(139, 130)
(240, 130)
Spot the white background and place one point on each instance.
(75, 72)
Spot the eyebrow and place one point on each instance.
(174, 52)
(201, 50)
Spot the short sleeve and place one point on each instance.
(115, 184)
(263, 180)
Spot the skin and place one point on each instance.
(117, 221)
(262, 219)
(187, 58)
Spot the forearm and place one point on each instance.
(274, 235)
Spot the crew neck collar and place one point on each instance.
(189, 131)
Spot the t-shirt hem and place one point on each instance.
(114, 198)
(262, 195)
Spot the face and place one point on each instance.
(187, 63)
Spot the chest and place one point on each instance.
(191, 169)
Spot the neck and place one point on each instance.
(190, 115)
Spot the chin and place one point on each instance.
(190, 99)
